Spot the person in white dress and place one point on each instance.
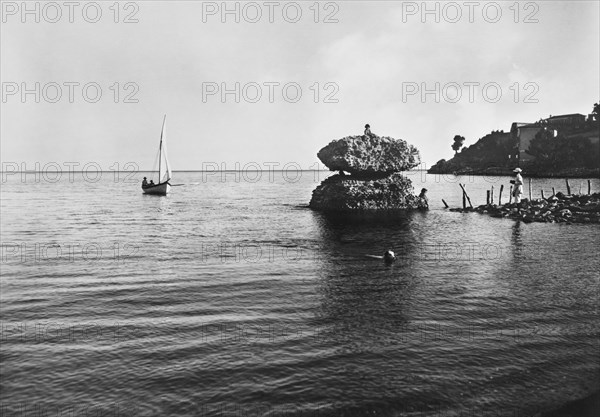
(518, 182)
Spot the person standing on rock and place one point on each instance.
(518, 182)
(368, 133)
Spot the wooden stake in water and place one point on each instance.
(543, 198)
(492, 195)
(580, 185)
(529, 189)
(589, 187)
(553, 191)
(487, 198)
(462, 186)
(500, 196)
(568, 186)
(510, 196)
(446, 204)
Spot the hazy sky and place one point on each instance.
(363, 60)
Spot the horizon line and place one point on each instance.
(189, 170)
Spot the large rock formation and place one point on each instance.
(369, 156)
(375, 182)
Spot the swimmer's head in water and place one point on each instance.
(389, 256)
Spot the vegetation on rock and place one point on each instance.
(562, 152)
(492, 150)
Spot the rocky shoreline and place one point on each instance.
(559, 208)
(531, 172)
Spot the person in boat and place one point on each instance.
(368, 133)
(151, 182)
(423, 197)
(144, 182)
(518, 182)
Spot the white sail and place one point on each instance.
(164, 173)
(167, 175)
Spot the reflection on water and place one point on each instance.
(360, 292)
(516, 242)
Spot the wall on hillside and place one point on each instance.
(525, 135)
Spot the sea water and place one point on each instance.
(231, 297)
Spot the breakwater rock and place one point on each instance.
(559, 208)
(369, 157)
(374, 183)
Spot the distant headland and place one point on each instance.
(559, 146)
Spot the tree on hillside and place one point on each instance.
(596, 112)
(458, 143)
(544, 147)
(561, 152)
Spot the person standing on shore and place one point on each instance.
(518, 182)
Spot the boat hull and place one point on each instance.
(159, 189)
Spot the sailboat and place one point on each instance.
(164, 170)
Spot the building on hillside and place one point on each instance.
(593, 136)
(575, 125)
(524, 134)
(566, 121)
(514, 134)
(516, 125)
